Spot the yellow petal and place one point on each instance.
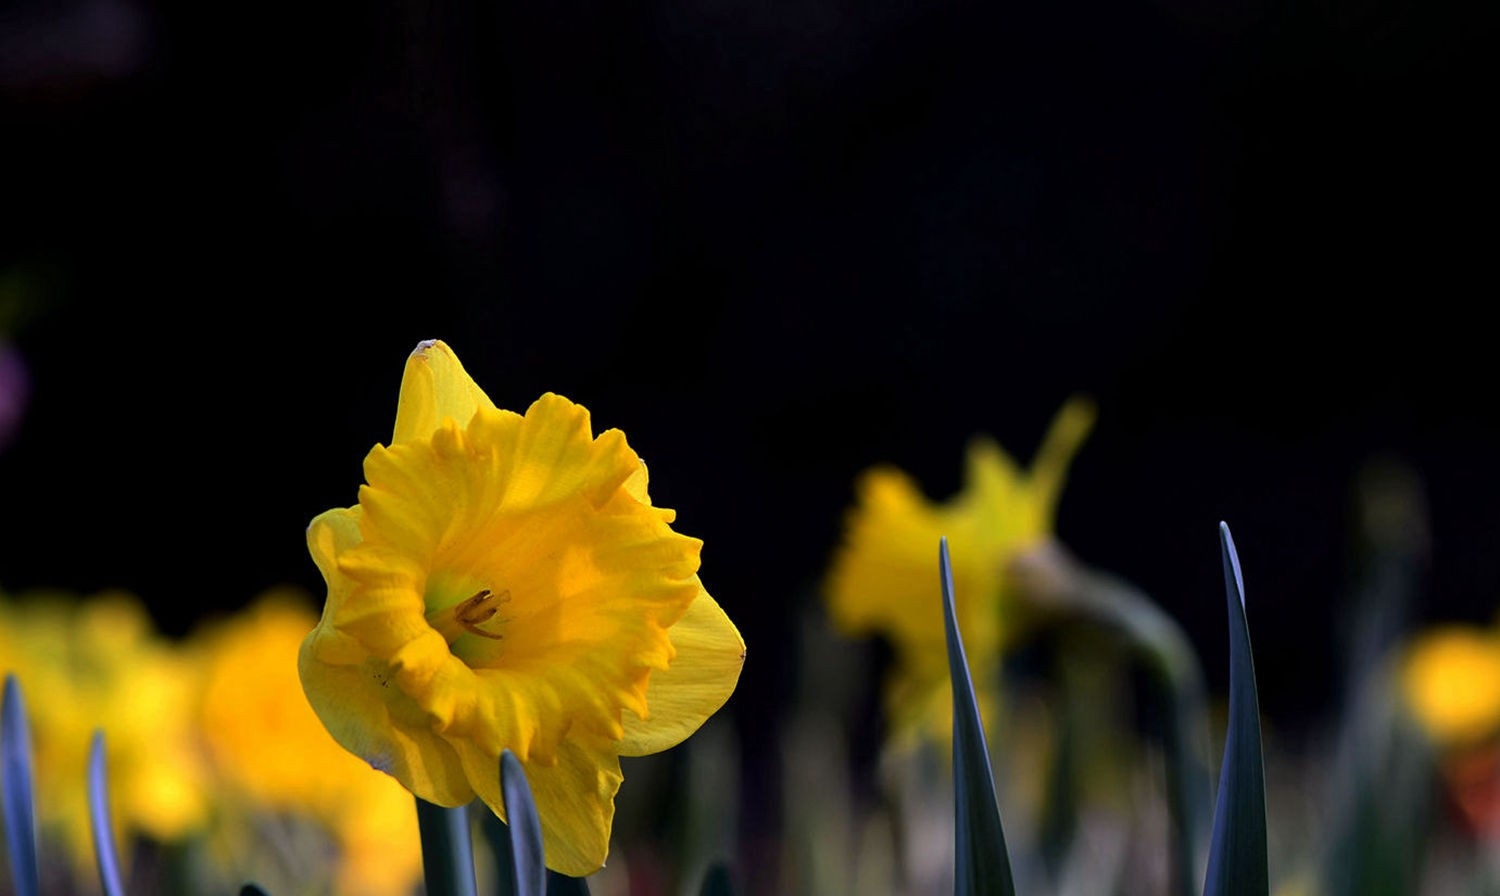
(357, 700)
(1450, 678)
(1064, 437)
(575, 799)
(330, 534)
(680, 698)
(435, 387)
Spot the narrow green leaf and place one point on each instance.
(1237, 863)
(99, 820)
(716, 881)
(563, 885)
(982, 866)
(16, 786)
(497, 835)
(447, 849)
(527, 857)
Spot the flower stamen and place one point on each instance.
(468, 614)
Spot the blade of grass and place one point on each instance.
(20, 805)
(1237, 862)
(982, 865)
(99, 820)
(447, 849)
(528, 860)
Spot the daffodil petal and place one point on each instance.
(680, 698)
(882, 577)
(331, 533)
(1064, 437)
(1450, 679)
(575, 799)
(362, 708)
(435, 387)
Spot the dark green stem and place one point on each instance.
(447, 850)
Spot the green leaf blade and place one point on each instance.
(16, 786)
(99, 820)
(982, 865)
(528, 860)
(1237, 858)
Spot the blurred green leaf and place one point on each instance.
(447, 849)
(1080, 603)
(528, 861)
(16, 787)
(1237, 863)
(1060, 811)
(1381, 807)
(982, 864)
(99, 820)
(716, 881)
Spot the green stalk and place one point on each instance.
(1062, 591)
(447, 850)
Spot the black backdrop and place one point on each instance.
(774, 243)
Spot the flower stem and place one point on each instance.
(447, 850)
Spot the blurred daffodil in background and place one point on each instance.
(276, 767)
(881, 581)
(99, 662)
(504, 582)
(1449, 681)
(1450, 678)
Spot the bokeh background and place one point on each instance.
(775, 244)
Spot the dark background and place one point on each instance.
(774, 243)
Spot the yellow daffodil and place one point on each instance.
(884, 577)
(505, 583)
(271, 754)
(1450, 680)
(100, 663)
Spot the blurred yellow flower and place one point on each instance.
(505, 583)
(884, 576)
(100, 663)
(1450, 679)
(271, 754)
